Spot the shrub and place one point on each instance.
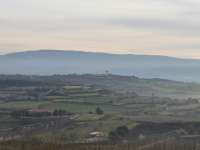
(99, 111)
(119, 133)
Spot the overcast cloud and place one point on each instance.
(163, 27)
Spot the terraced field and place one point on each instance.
(84, 108)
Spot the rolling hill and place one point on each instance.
(48, 62)
(120, 84)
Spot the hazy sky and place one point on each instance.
(163, 27)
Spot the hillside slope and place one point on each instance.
(124, 84)
(48, 62)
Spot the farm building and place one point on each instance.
(96, 134)
(39, 112)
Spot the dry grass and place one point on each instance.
(34, 145)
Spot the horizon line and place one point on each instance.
(97, 52)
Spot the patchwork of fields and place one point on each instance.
(46, 109)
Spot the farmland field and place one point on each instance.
(72, 111)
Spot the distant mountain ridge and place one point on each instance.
(48, 62)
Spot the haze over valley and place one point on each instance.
(49, 62)
(99, 75)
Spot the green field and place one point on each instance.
(119, 104)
